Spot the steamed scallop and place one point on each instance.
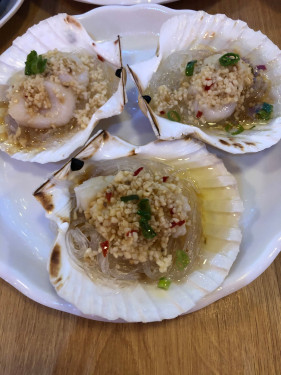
(215, 79)
(143, 232)
(56, 83)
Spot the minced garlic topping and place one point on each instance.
(118, 222)
(81, 73)
(211, 85)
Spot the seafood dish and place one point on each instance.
(215, 79)
(157, 223)
(56, 83)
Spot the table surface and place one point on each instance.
(240, 334)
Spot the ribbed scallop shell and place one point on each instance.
(192, 31)
(221, 209)
(65, 33)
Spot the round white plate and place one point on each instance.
(25, 235)
(7, 9)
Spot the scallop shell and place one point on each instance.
(192, 31)
(65, 33)
(221, 209)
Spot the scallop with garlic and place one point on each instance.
(55, 89)
(143, 232)
(215, 79)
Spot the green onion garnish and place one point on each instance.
(146, 229)
(229, 59)
(189, 69)
(164, 283)
(144, 214)
(128, 198)
(144, 209)
(228, 127)
(173, 116)
(182, 259)
(265, 112)
(239, 130)
(34, 64)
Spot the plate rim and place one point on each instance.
(10, 14)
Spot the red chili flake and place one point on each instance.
(171, 211)
(178, 223)
(104, 246)
(131, 231)
(208, 79)
(108, 196)
(165, 178)
(199, 114)
(207, 88)
(162, 112)
(261, 67)
(138, 171)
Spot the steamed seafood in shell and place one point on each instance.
(143, 232)
(215, 79)
(52, 97)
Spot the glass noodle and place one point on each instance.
(82, 236)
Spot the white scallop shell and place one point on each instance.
(65, 33)
(221, 208)
(192, 31)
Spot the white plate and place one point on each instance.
(25, 235)
(125, 2)
(7, 9)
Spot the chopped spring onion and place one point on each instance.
(182, 259)
(144, 207)
(189, 69)
(173, 116)
(145, 215)
(229, 59)
(265, 112)
(34, 64)
(164, 283)
(128, 198)
(239, 130)
(146, 229)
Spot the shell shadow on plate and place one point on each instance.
(56, 83)
(215, 79)
(144, 232)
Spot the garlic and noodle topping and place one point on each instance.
(211, 89)
(143, 216)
